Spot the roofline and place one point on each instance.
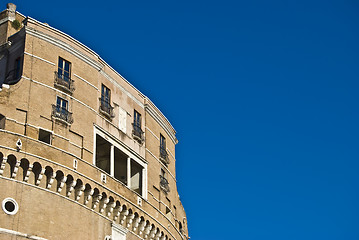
(30, 19)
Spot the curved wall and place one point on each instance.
(83, 152)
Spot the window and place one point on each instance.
(60, 110)
(63, 76)
(105, 102)
(61, 105)
(44, 136)
(164, 182)
(137, 131)
(2, 121)
(163, 152)
(64, 70)
(120, 163)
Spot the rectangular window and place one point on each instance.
(103, 154)
(137, 131)
(61, 105)
(162, 142)
(60, 110)
(105, 94)
(136, 177)
(2, 121)
(164, 182)
(105, 102)
(45, 136)
(163, 151)
(64, 70)
(120, 163)
(137, 119)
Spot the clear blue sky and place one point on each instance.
(263, 95)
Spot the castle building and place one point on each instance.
(83, 153)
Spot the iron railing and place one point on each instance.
(137, 132)
(164, 184)
(64, 82)
(62, 114)
(106, 108)
(164, 155)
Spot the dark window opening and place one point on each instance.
(2, 121)
(136, 177)
(60, 110)
(45, 136)
(103, 154)
(120, 166)
(164, 182)
(64, 70)
(163, 152)
(137, 131)
(105, 102)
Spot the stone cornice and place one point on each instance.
(157, 115)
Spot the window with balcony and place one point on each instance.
(163, 150)
(105, 102)
(60, 111)
(117, 161)
(164, 182)
(63, 76)
(137, 132)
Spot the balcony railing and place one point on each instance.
(62, 114)
(137, 132)
(164, 155)
(164, 184)
(64, 82)
(106, 108)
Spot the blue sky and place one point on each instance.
(263, 95)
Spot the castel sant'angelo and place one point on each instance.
(83, 153)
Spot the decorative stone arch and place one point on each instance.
(103, 202)
(96, 197)
(23, 173)
(10, 167)
(79, 189)
(70, 184)
(60, 180)
(87, 194)
(180, 228)
(110, 206)
(136, 221)
(117, 210)
(35, 176)
(50, 176)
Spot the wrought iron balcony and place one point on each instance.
(64, 82)
(137, 132)
(164, 184)
(62, 114)
(164, 155)
(106, 108)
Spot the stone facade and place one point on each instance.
(83, 153)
